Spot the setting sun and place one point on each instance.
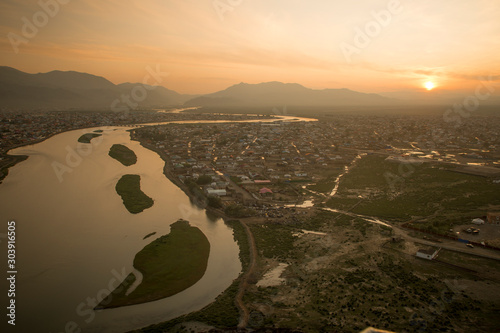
(429, 85)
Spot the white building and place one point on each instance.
(218, 192)
(478, 221)
(427, 253)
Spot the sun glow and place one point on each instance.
(429, 85)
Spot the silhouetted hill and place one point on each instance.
(59, 90)
(158, 95)
(290, 94)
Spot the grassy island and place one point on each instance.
(149, 235)
(87, 137)
(123, 154)
(129, 188)
(223, 312)
(169, 264)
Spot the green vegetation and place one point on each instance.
(150, 234)
(214, 201)
(345, 282)
(404, 191)
(325, 185)
(235, 179)
(85, 138)
(222, 313)
(204, 180)
(123, 154)
(129, 188)
(468, 261)
(9, 161)
(194, 188)
(198, 196)
(240, 236)
(170, 264)
(238, 211)
(274, 241)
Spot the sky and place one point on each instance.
(208, 45)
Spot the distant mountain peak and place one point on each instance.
(272, 93)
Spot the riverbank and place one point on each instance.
(176, 181)
(129, 189)
(8, 161)
(169, 264)
(123, 154)
(87, 137)
(224, 312)
(325, 271)
(248, 255)
(52, 203)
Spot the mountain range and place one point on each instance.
(75, 90)
(291, 94)
(70, 90)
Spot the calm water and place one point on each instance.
(75, 237)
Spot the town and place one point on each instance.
(335, 218)
(396, 209)
(289, 162)
(20, 128)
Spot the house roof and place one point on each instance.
(427, 251)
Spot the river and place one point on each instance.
(75, 240)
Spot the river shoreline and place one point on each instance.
(245, 275)
(8, 161)
(19, 158)
(176, 181)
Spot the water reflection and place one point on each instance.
(76, 237)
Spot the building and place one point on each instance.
(265, 190)
(427, 253)
(478, 221)
(218, 192)
(494, 218)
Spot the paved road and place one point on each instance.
(246, 195)
(451, 245)
(446, 243)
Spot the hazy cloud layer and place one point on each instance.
(205, 49)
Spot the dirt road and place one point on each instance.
(245, 313)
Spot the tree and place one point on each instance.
(214, 201)
(236, 210)
(204, 180)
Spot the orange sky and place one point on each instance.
(208, 45)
